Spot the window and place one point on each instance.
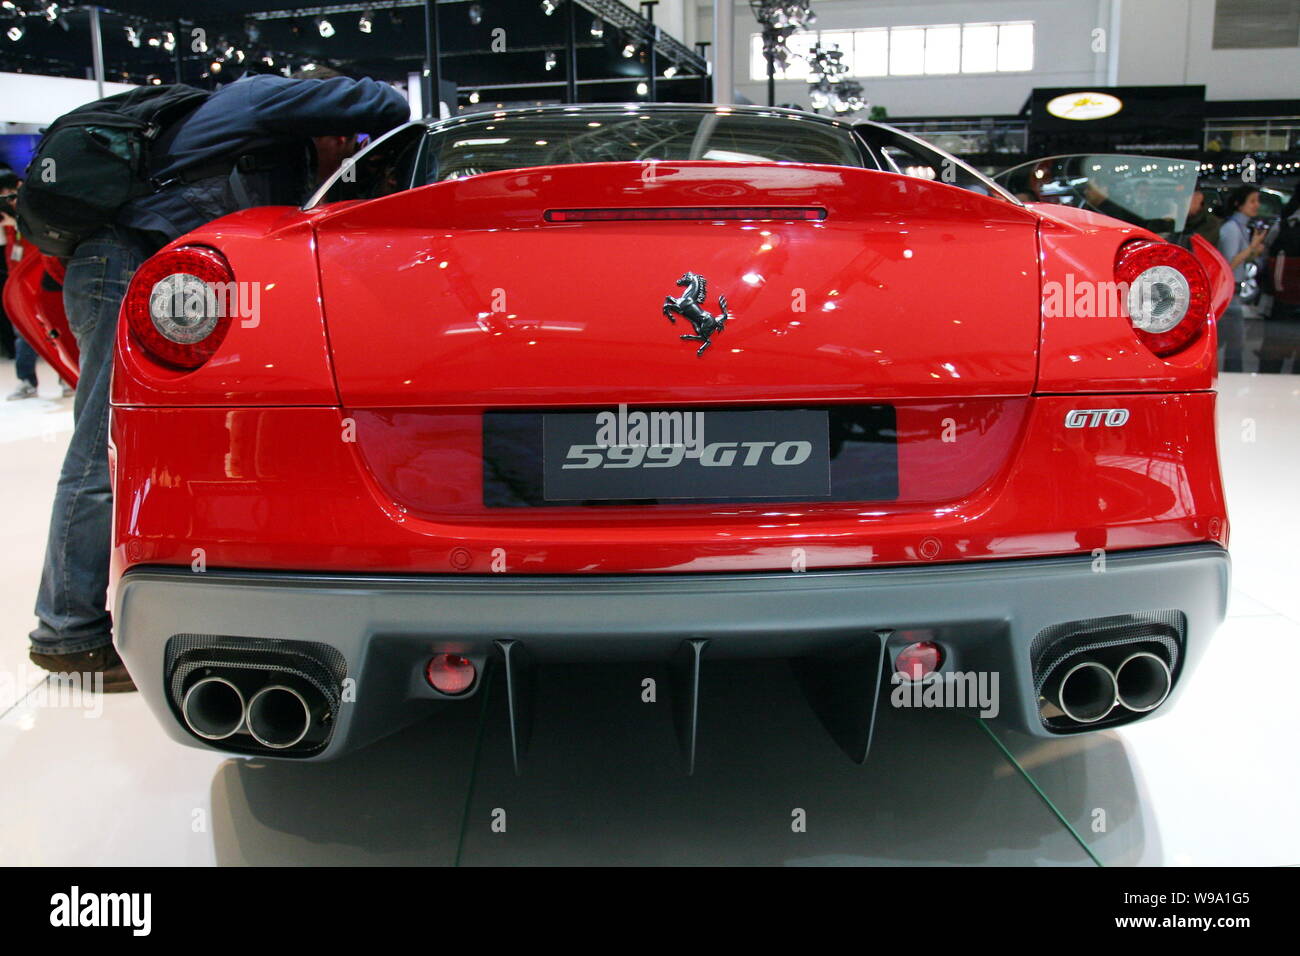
(913, 157)
(979, 48)
(385, 167)
(1015, 47)
(870, 53)
(906, 52)
(595, 135)
(943, 50)
(940, 50)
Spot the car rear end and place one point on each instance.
(508, 418)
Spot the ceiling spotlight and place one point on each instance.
(629, 51)
(16, 32)
(473, 97)
(475, 14)
(642, 89)
(132, 35)
(366, 23)
(597, 29)
(551, 61)
(215, 66)
(325, 27)
(50, 11)
(169, 41)
(670, 72)
(549, 7)
(154, 40)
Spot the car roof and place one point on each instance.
(587, 109)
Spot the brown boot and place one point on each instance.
(102, 660)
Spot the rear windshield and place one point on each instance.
(516, 142)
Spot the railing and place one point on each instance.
(1276, 134)
(970, 137)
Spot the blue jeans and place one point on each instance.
(25, 361)
(71, 604)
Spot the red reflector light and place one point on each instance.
(177, 306)
(643, 214)
(1166, 294)
(450, 673)
(918, 660)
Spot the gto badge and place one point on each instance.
(689, 306)
(1095, 417)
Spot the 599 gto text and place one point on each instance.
(398, 481)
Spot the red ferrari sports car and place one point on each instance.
(676, 384)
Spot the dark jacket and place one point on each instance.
(270, 121)
(1204, 223)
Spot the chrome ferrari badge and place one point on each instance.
(689, 305)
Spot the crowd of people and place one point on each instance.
(1265, 261)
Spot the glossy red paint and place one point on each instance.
(339, 428)
(485, 303)
(1090, 348)
(1222, 286)
(276, 488)
(429, 461)
(277, 353)
(33, 298)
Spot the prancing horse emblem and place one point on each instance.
(689, 306)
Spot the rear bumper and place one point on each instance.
(985, 614)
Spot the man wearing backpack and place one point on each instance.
(249, 143)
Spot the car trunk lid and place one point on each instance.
(548, 287)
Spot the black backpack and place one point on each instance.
(94, 160)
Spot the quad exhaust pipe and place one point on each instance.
(276, 716)
(1142, 682)
(213, 708)
(1088, 690)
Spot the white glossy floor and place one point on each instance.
(1215, 781)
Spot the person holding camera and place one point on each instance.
(1239, 244)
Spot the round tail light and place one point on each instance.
(919, 660)
(450, 674)
(1168, 294)
(179, 305)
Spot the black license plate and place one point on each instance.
(638, 456)
(621, 455)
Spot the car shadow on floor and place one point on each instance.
(602, 783)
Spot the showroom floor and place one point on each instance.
(1215, 781)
